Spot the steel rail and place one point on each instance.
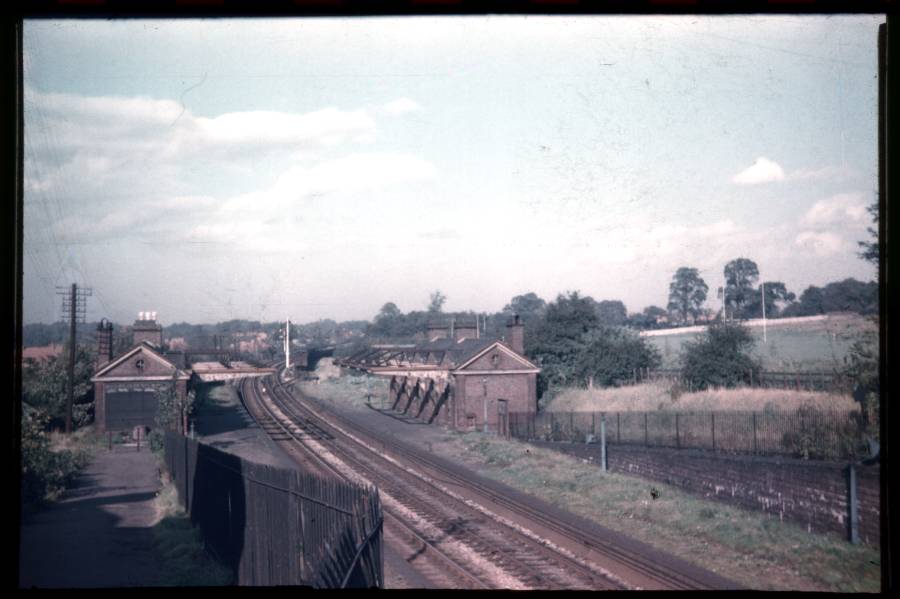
(432, 549)
(632, 559)
(573, 565)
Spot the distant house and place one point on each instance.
(456, 378)
(41, 353)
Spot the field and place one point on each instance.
(815, 344)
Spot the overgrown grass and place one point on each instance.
(756, 550)
(180, 549)
(648, 397)
(350, 390)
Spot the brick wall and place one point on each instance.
(812, 494)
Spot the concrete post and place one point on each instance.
(603, 443)
(853, 504)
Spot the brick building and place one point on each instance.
(125, 387)
(456, 378)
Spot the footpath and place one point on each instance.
(99, 533)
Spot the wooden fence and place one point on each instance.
(817, 434)
(277, 526)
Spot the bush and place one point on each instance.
(45, 473)
(611, 356)
(720, 357)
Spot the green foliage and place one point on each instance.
(775, 293)
(861, 366)
(848, 295)
(558, 338)
(572, 346)
(687, 292)
(610, 356)
(529, 307)
(45, 473)
(45, 386)
(741, 275)
(437, 302)
(171, 415)
(720, 357)
(869, 249)
(611, 313)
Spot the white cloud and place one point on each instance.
(763, 170)
(821, 244)
(402, 106)
(841, 210)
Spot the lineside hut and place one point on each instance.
(456, 378)
(125, 387)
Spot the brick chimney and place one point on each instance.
(465, 329)
(146, 329)
(515, 334)
(437, 330)
(104, 343)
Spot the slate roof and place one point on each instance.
(441, 353)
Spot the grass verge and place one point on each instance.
(179, 546)
(756, 550)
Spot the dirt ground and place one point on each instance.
(99, 533)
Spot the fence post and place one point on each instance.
(618, 428)
(603, 443)
(593, 423)
(755, 447)
(712, 416)
(854, 508)
(646, 434)
(677, 436)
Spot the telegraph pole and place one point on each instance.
(74, 307)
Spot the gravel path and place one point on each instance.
(99, 533)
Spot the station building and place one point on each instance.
(125, 387)
(456, 378)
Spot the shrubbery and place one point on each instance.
(720, 358)
(45, 473)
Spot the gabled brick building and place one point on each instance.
(456, 378)
(125, 387)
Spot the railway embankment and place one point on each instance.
(762, 552)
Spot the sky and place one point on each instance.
(318, 168)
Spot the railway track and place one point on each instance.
(295, 436)
(492, 551)
(437, 509)
(635, 564)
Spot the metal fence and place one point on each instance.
(813, 434)
(277, 526)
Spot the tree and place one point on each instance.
(528, 306)
(687, 292)
(437, 302)
(611, 355)
(611, 313)
(869, 251)
(45, 386)
(558, 338)
(776, 294)
(741, 275)
(720, 357)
